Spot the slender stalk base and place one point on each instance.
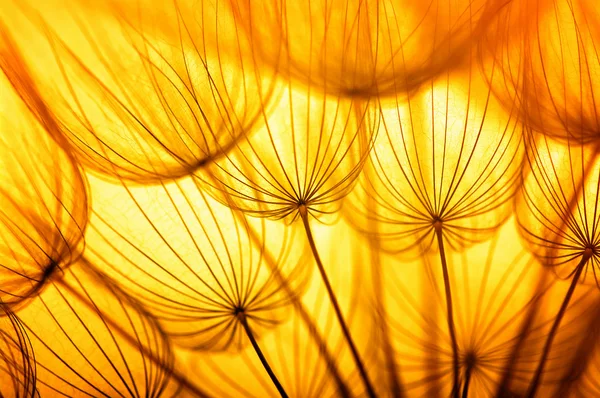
(392, 367)
(468, 373)
(393, 372)
(343, 389)
(503, 390)
(450, 316)
(561, 312)
(583, 358)
(338, 312)
(242, 318)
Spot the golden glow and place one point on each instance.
(224, 198)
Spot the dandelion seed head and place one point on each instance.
(435, 168)
(140, 101)
(309, 153)
(197, 265)
(364, 49)
(171, 173)
(557, 205)
(44, 202)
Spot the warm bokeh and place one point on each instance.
(223, 198)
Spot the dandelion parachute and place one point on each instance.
(44, 203)
(172, 173)
(145, 101)
(360, 48)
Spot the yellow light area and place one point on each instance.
(222, 198)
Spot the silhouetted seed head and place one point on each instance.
(198, 266)
(189, 116)
(141, 100)
(309, 153)
(43, 201)
(448, 158)
(557, 208)
(82, 315)
(493, 285)
(363, 49)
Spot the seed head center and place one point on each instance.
(437, 223)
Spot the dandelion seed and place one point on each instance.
(497, 300)
(300, 362)
(300, 165)
(557, 212)
(43, 204)
(443, 171)
(307, 155)
(90, 338)
(192, 262)
(142, 101)
(17, 361)
(361, 48)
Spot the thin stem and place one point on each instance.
(432, 359)
(561, 312)
(242, 318)
(392, 367)
(343, 390)
(338, 312)
(504, 385)
(378, 287)
(271, 262)
(583, 357)
(455, 367)
(468, 374)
